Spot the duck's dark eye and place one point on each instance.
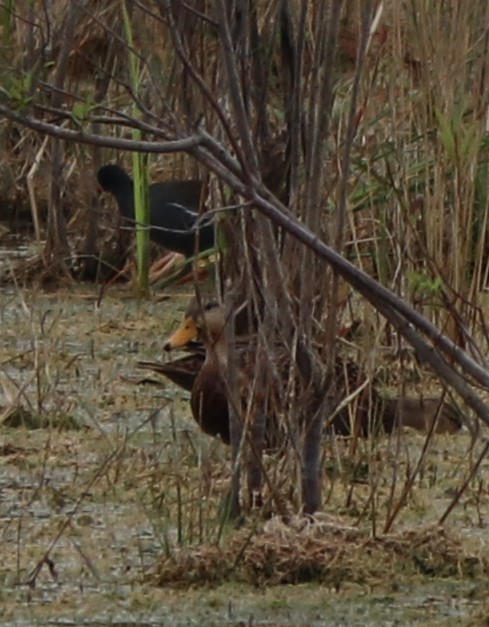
(211, 305)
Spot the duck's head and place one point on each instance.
(204, 321)
(112, 177)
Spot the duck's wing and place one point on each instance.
(182, 371)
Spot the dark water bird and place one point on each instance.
(209, 397)
(202, 373)
(174, 221)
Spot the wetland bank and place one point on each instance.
(117, 520)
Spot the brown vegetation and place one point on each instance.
(304, 551)
(346, 132)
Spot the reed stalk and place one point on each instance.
(139, 163)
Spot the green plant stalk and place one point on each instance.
(141, 208)
(139, 162)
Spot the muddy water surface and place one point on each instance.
(86, 512)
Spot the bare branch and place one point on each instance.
(82, 137)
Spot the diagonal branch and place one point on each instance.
(207, 150)
(82, 137)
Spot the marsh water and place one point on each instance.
(87, 501)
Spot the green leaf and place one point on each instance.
(81, 111)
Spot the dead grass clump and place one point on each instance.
(324, 551)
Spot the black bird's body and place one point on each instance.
(174, 223)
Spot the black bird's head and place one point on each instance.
(112, 177)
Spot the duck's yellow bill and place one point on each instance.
(186, 332)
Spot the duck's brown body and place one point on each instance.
(209, 402)
(201, 373)
(208, 399)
